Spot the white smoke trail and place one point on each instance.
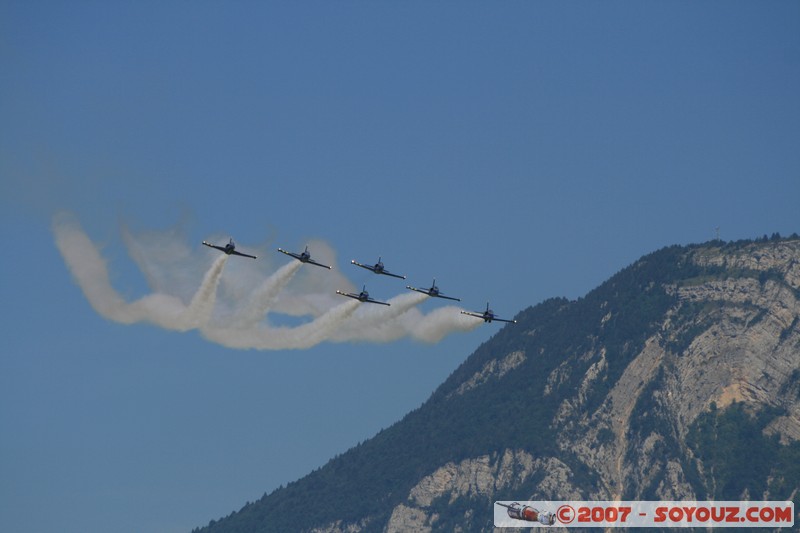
(436, 325)
(377, 326)
(263, 297)
(89, 270)
(202, 305)
(263, 337)
(378, 323)
(169, 264)
(91, 273)
(165, 259)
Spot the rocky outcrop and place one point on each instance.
(748, 352)
(741, 343)
(340, 527)
(479, 479)
(493, 369)
(782, 257)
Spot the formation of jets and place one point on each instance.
(378, 268)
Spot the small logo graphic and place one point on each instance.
(528, 513)
(661, 513)
(565, 514)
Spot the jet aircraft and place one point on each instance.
(487, 315)
(377, 268)
(304, 257)
(229, 249)
(433, 291)
(528, 513)
(363, 296)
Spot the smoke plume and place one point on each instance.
(90, 271)
(236, 314)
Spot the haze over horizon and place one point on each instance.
(513, 152)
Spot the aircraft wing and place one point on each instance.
(220, 248)
(243, 255)
(303, 259)
(374, 270)
(486, 318)
(311, 261)
(358, 297)
(440, 295)
(296, 256)
(368, 267)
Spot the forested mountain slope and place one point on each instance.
(678, 378)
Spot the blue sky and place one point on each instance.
(514, 151)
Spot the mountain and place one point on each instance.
(677, 379)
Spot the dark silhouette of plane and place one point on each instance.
(377, 268)
(487, 315)
(304, 257)
(229, 249)
(433, 291)
(362, 296)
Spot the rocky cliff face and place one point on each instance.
(724, 340)
(625, 409)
